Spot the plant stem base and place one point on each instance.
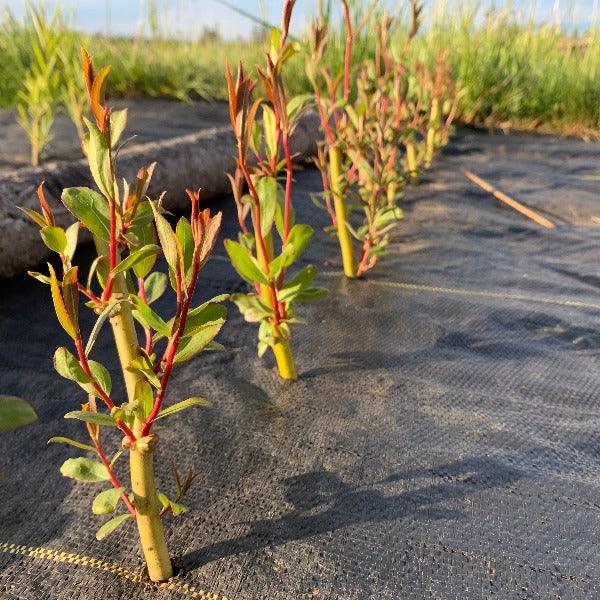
(149, 524)
(285, 361)
(335, 172)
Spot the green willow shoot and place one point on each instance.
(263, 158)
(130, 232)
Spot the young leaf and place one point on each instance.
(186, 243)
(15, 412)
(68, 366)
(174, 408)
(91, 417)
(267, 189)
(155, 286)
(99, 158)
(137, 256)
(66, 440)
(207, 312)
(253, 308)
(71, 233)
(167, 238)
(193, 345)
(144, 397)
(244, 263)
(118, 122)
(299, 237)
(34, 216)
(98, 324)
(59, 305)
(269, 128)
(106, 502)
(84, 469)
(54, 238)
(175, 508)
(111, 525)
(149, 318)
(101, 376)
(90, 208)
(302, 279)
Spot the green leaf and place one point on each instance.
(66, 440)
(311, 294)
(174, 408)
(102, 377)
(193, 345)
(84, 469)
(293, 287)
(144, 396)
(99, 158)
(149, 318)
(118, 122)
(68, 366)
(137, 256)
(90, 208)
(270, 131)
(54, 238)
(387, 216)
(106, 312)
(106, 502)
(206, 313)
(111, 525)
(267, 189)
(155, 286)
(296, 104)
(59, 305)
(166, 237)
(186, 242)
(15, 412)
(299, 237)
(36, 217)
(253, 308)
(91, 417)
(72, 234)
(175, 508)
(244, 263)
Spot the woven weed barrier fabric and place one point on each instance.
(442, 442)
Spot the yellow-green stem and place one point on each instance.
(141, 460)
(282, 349)
(339, 203)
(391, 193)
(431, 132)
(285, 360)
(150, 529)
(412, 166)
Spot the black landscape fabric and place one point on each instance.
(442, 441)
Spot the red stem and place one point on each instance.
(113, 477)
(101, 393)
(172, 349)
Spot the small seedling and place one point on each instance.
(359, 157)
(41, 83)
(130, 231)
(263, 155)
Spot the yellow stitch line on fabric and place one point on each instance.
(480, 293)
(88, 561)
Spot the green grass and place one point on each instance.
(512, 73)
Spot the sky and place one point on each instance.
(191, 16)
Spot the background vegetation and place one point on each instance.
(513, 72)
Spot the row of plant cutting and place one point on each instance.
(381, 124)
